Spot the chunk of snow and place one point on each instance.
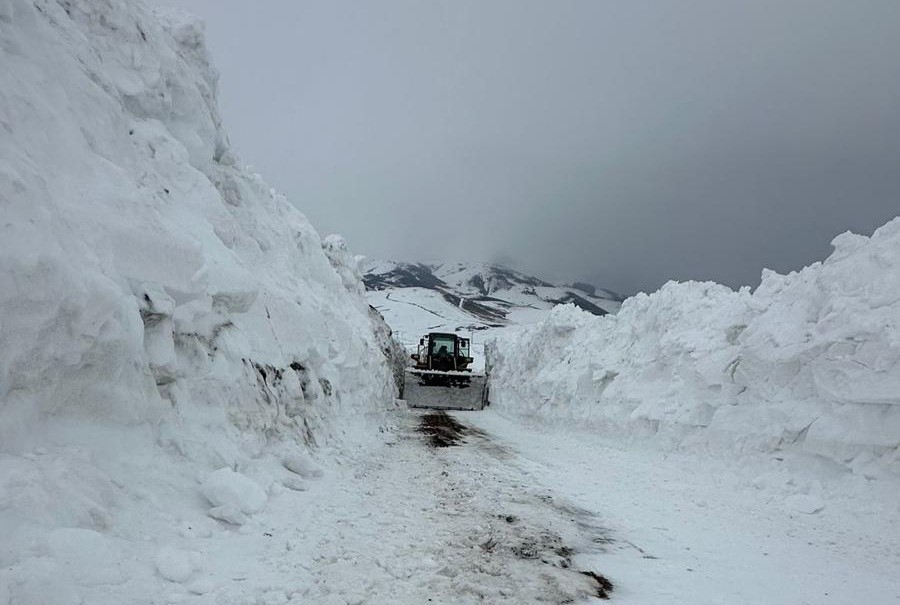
(200, 586)
(295, 483)
(228, 488)
(228, 513)
(174, 565)
(302, 464)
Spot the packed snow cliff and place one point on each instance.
(167, 321)
(808, 363)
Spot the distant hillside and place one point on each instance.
(482, 295)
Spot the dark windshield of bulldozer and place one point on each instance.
(443, 341)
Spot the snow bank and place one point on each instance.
(163, 312)
(809, 362)
(143, 269)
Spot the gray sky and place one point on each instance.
(620, 142)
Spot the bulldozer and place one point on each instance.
(441, 377)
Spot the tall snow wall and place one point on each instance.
(176, 342)
(145, 274)
(808, 362)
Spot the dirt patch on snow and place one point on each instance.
(530, 539)
(441, 429)
(604, 586)
(548, 548)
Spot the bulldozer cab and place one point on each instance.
(443, 352)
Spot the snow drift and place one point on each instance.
(163, 313)
(809, 362)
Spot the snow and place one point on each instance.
(301, 464)
(804, 503)
(400, 522)
(514, 287)
(163, 313)
(227, 488)
(493, 519)
(736, 447)
(174, 565)
(411, 312)
(805, 369)
(197, 404)
(504, 299)
(494, 288)
(685, 527)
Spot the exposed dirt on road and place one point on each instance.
(529, 542)
(441, 429)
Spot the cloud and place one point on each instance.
(626, 143)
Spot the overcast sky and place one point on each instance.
(620, 142)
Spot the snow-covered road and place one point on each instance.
(487, 511)
(437, 513)
(690, 529)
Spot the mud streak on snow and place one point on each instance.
(436, 512)
(441, 429)
(540, 546)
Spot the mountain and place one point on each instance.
(457, 297)
(490, 293)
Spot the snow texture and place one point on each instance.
(301, 464)
(226, 487)
(174, 565)
(809, 363)
(163, 312)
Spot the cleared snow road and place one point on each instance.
(437, 514)
(473, 508)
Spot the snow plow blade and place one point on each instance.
(445, 390)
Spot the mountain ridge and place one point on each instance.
(490, 292)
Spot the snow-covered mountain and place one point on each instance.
(492, 295)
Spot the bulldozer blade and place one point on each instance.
(445, 390)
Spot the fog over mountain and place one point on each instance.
(619, 143)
